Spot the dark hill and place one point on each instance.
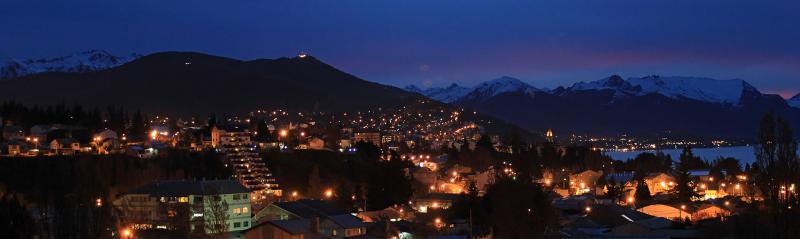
(199, 84)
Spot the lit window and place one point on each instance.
(244, 210)
(183, 199)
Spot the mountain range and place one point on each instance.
(87, 61)
(195, 84)
(686, 106)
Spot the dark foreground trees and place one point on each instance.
(779, 174)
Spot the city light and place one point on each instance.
(328, 193)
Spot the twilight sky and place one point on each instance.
(436, 42)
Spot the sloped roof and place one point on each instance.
(347, 221)
(310, 208)
(296, 226)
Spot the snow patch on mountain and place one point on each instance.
(447, 94)
(93, 60)
(696, 88)
(499, 86)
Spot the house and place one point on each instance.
(105, 135)
(316, 143)
(434, 201)
(333, 222)
(13, 132)
(668, 211)
(155, 204)
(388, 214)
(65, 146)
(626, 179)
(584, 182)
(15, 148)
(659, 183)
(284, 229)
(369, 137)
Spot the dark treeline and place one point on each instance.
(95, 119)
(54, 197)
(353, 179)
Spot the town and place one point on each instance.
(417, 171)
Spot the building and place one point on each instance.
(434, 201)
(241, 153)
(659, 183)
(158, 204)
(691, 212)
(283, 229)
(12, 132)
(65, 146)
(369, 137)
(584, 182)
(324, 219)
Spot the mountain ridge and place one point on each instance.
(639, 105)
(86, 61)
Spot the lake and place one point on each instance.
(745, 154)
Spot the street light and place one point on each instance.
(328, 193)
(127, 233)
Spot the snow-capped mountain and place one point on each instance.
(794, 101)
(93, 60)
(479, 92)
(444, 94)
(498, 86)
(696, 88)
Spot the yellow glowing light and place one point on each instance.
(328, 193)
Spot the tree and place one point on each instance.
(315, 187)
(779, 173)
(642, 191)
(614, 190)
(216, 215)
(138, 127)
(684, 190)
(519, 209)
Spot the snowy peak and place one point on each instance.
(613, 82)
(447, 94)
(480, 92)
(696, 88)
(87, 61)
(413, 88)
(499, 86)
(794, 101)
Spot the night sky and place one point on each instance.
(436, 42)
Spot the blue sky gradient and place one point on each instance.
(433, 43)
